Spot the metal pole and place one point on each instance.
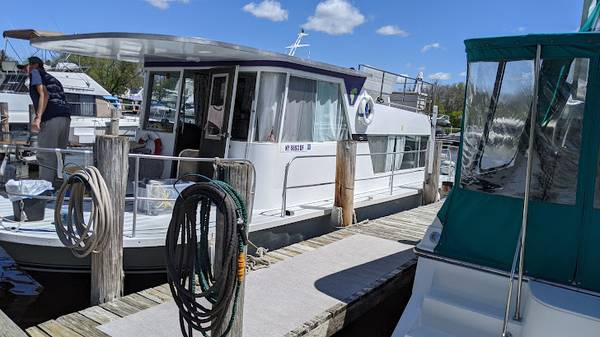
(533, 122)
(284, 192)
(392, 175)
(135, 195)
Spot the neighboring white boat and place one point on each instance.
(514, 250)
(284, 114)
(89, 102)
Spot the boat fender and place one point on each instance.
(366, 109)
(152, 140)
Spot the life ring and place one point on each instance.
(366, 109)
(153, 142)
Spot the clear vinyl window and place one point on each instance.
(496, 136)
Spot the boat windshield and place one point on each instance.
(496, 133)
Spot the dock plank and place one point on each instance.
(81, 324)
(99, 314)
(55, 329)
(8, 328)
(34, 331)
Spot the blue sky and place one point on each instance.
(397, 35)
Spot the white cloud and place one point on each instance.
(421, 68)
(164, 4)
(267, 9)
(392, 30)
(440, 76)
(463, 74)
(428, 47)
(335, 17)
(521, 29)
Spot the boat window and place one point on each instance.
(269, 106)
(187, 108)
(160, 110)
(216, 106)
(382, 144)
(314, 112)
(497, 110)
(406, 152)
(14, 82)
(83, 105)
(244, 99)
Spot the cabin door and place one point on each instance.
(216, 126)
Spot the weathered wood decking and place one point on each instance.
(407, 227)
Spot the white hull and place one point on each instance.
(449, 300)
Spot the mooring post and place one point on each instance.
(345, 171)
(110, 154)
(4, 121)
(431, 183)
(240, 177)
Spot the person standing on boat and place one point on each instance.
(52, 115)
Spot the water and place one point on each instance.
(51, 295)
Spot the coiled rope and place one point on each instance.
(203, 297)
(81, 236)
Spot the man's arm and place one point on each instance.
(41, 108)
(43, 102)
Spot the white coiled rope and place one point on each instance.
(75, 233)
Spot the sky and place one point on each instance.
(401, 36)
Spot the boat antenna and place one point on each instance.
(297, 44)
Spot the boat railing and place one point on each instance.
(136, 178)
(135, 157)
(393, 172)
(399, 90)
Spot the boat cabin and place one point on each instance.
(211, 99)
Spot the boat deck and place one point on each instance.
(344, 274)
(150, 230)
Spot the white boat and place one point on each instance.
(514, 250)
(284, 114)
(88, 100)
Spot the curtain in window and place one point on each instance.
(300, 110)
(269, 105)
(330, 121)
(400, 143)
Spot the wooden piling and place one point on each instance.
(240, 177)
(345, 171)
(4, 122)
(107, 266)
(431, 184)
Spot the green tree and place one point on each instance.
(115, 76)
(450, 100)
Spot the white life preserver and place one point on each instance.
(366, 109)
(152, 141)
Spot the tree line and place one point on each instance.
(450, 100)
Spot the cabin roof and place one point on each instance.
(140, 47)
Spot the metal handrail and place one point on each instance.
(138, 156)
(523, 233)
(391, 175)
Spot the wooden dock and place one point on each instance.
(406, 227)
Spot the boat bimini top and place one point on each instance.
(482, 216)
(146, 48)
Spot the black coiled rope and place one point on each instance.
(202, 297)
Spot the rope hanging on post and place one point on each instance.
(202, 296)
(75, 233)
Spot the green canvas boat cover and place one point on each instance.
(482, 216)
